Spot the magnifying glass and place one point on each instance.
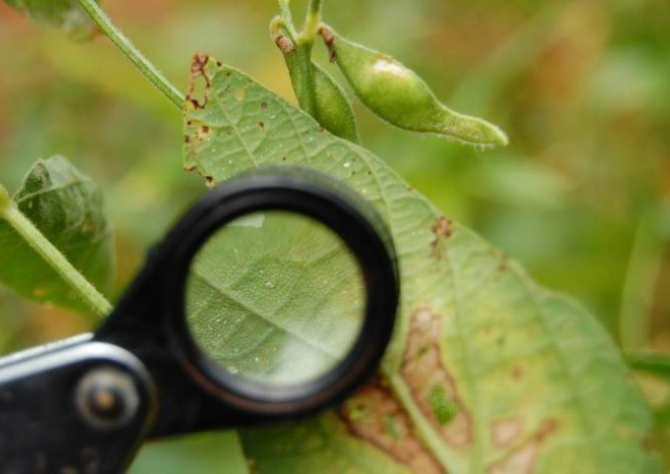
(274, 297)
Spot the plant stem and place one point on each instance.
(652, 363)
(299, 61)
(40, 244)
(287, 17)
(312, 21)
(132, 53)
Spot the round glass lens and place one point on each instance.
(275, 297)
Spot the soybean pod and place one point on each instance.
(399, 96)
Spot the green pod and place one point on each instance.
(331, 107)
(398, 95)
(333, 110)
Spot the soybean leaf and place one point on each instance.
(67, 207)
(488, 372)
(195, 454)
(64, 14)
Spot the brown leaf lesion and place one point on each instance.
(443, 230)
(376, 416)
(423, 371)
(198, 70)
(505, 432)
(523, 459)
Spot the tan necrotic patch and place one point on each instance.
(423, 370)
(523, 459)
(505, 432)
(443, 230)
(374, 414)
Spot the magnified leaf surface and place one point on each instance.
(487, 373)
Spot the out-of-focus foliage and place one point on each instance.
(64, 14)
(581, 196)
(66, 207)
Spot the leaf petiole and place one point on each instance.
(45, 249)
(312, 21)
(299, 59)
(129, 50)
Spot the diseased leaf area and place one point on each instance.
(487, 373)
(67, 207)
(64, 14)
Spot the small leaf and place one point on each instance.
(398, 95)
(539, 386)
(64, 14)
(67, 207)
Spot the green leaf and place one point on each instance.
(194, 454)
(538, 385)
(67, 207)
(64, 14)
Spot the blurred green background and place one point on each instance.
(581, 197)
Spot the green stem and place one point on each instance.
(312, 21)
(641, 281)
(299, 61)
(652, 363)
(132, 53)
(287, 17)
(40, 244)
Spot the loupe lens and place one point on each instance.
(275, 297)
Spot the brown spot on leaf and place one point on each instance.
(198, 64)
(517, 372)
(198, 69)
(209, 181)
(523, 459)
(240, 93)
(187, 139)
(423, 370)
(204, 129)
(505, 432)
(261, 124)
(443, 229)
(502, 264)
(196, 103)
(264, 105)
(374, 414)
